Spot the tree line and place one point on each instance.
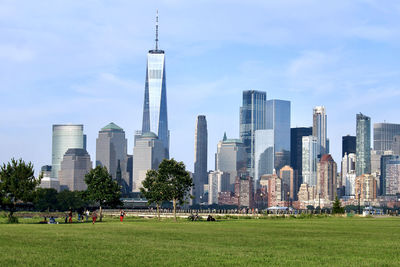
(19, 185)
(171, 182)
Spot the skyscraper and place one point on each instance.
(326, 177)
(278, 120)
(392, 179)
(348, 144)
(200, 158)
(263, 153)
(230, 158)
(65, 136)
(309, 158)
(111, 148)
(320, 129)
(252, 118)
(385, 160)
(348, 166)
(217, 182)
(289, 188)
(75, 165)
(47, 181)
(148, 152)
(384, 134)
(296, 151)
(363, 147)
(155, 118)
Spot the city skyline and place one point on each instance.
(94, 81)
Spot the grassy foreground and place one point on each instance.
(256, 242)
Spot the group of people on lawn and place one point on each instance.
(81, 215)
(68, 218)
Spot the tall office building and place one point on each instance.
(326, 177)
(278, 120)
(289, 187)
(384, 134)
(365, 187)
(252, 118)
(231, 157)
(385, 160)
(363, 146)
(148, 152)
(309, 160)
(348, 145)
(75, 165)
(296, 151)
(392, 178)
(65, 136)
(217, 182)
(296, 137)
(200, 158)
(396, 145)
(348, 166)
(263, 153)
(155, 118)
(111, 149)
(320, 129)
(47, 181)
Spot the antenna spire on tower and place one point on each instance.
(157, 31)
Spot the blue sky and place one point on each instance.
(84, 62)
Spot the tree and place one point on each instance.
(177, 179)
(17, 183)
(337, 208)
(71, 200)
(45, 199)
(102, 188)
(154, 189)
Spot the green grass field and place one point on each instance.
(255, 242)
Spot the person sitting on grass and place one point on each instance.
(210, 219)
(52, 220)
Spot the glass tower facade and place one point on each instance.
(348, 144)
(65, 136)
(383, 136)
(320, 129)
(263, 154)
(278, 120)
(296, 146)
(309, 158)
(155, 117)
(252, 118)
(363, 145)
(200, 158)
(385, 160)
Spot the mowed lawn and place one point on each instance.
(252, 242)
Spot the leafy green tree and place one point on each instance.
(102, 188)
(337, 208)
(17, 183)
(177, 179)
(45, 199)
(154, 189)
(71, 200)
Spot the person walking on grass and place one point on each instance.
(82, 215)
(87, 215)
(70, 216)
(94, 217)
(121, 215)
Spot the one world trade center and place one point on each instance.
(155, 118)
